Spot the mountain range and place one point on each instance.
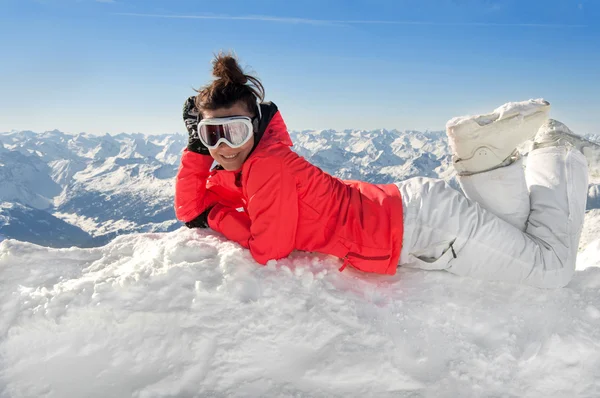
(61, 190)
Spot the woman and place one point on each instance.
(272, 201)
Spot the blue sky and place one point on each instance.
(127, 65)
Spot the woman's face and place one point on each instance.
(230, 158)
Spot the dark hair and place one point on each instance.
(231, 85)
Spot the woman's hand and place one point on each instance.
(201, 221)
(191, 118)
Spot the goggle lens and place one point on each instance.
(234, 133)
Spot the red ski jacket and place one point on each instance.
(279, 202)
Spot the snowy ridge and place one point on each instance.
(378, 156)
(98, 182)
(110, 185)
(100, 179)
(25, 223)
(27, 179)
(189, 314)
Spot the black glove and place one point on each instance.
(191, 118)
(199, 222)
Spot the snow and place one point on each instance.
(190, 314)
(591, 228)
(90, 225)
(99, 178)
(6, 205)
(25, 223)
(523, 108)
(378, 156)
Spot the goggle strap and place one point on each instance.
(259, 111)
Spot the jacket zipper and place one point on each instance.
(374, 258)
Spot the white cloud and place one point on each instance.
(266, 18)
(263, 18)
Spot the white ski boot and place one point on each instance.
(485, 142)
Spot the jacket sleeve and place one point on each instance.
(191, 196)
(235, 225)
(269, 227)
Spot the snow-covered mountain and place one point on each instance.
(379, 156)
(105, 185)
(28, 224)
(111, 185)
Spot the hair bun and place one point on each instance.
(230, 85)
(225, 67)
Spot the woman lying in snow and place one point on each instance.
(510, 225)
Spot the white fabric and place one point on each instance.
(443, 230)
(502, 191)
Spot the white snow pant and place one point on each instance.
(512, 226)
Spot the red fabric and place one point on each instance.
(278, 202)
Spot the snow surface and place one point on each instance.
(189, 314)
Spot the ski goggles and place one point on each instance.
(234, 131)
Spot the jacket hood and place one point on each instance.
(271, 129)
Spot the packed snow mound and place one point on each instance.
(189, 314)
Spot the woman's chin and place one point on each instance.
(231, 164)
